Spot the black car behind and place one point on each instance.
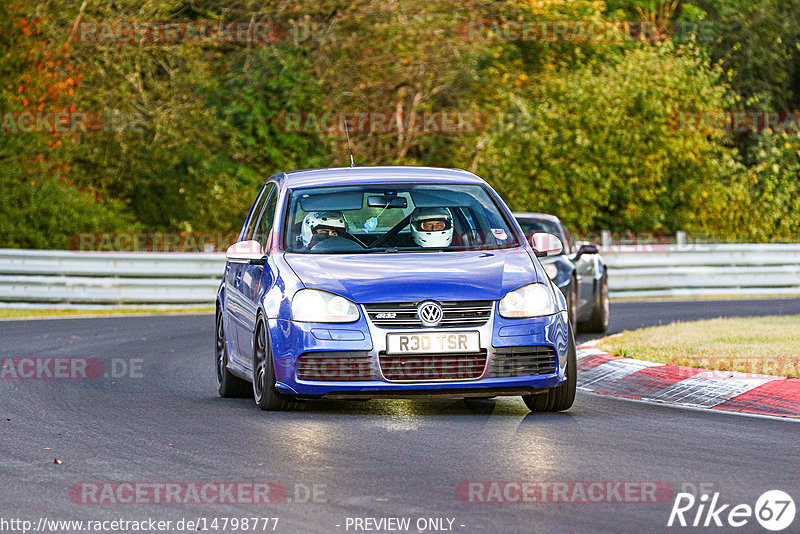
(579, 271)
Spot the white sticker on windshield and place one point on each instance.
(371, 224)
(500, 234)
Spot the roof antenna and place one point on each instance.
(347, 132)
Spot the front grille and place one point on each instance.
(426, 367)
(523, 361)
(334, 366)
(456, 314)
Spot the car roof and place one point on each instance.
(361, 175)
(531, 215)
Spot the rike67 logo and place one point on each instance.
(774, 510)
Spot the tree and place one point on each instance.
(602, 147)
(41, 205)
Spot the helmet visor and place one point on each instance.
(433, 225)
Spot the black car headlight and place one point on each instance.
(552, 271)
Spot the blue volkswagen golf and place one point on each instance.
(366, 282)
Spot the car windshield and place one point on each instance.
(395, 217)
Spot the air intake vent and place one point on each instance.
(432, 367)
(334, 366)
(523, 361)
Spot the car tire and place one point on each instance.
(598, 322)
(264, 393)
(228, 385)
(561, 397)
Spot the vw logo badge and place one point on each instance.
(430, 313)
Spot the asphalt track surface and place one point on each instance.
(377, 459)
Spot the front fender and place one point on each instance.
(561, 301)
(276, 300)
(221, 295)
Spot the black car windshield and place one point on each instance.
(395, 217)
(532, 226)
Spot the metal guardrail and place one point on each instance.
(85, 278)
(109, 277)
(703, 270)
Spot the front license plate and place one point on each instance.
(433, 343)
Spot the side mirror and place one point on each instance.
(248, 252)
(586, 248)
(546, 244)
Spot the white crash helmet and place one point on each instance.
(437, 238)
(333, 220)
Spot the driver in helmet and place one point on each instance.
(432, 227)
(319, 225)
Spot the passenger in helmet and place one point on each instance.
(319, 225)
(432, 227)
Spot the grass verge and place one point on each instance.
(759, 345)
(682, 298)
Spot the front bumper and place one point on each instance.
(292, 339)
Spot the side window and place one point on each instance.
(470, 220)
(465, 218)
(256, 212)
(265, 224)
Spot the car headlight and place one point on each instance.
(313, 306)
(533, 300)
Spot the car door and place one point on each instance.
(254, 278)
(234, 272)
